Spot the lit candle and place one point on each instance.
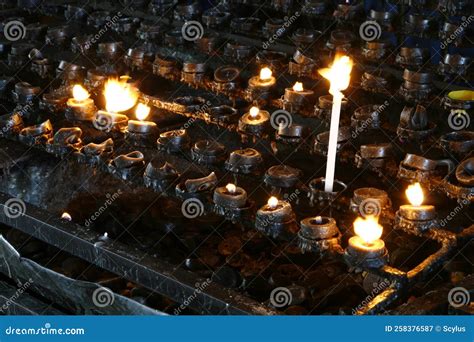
(367, 248)
(416, 210)
(297, 95)
(80, 106)
(254, 122)
(260, 85)
(230, 196)
(339, 76)
(141, 126)
(277, 219)
(120, 95)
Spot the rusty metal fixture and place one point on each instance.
(280, 177)
(375, 156)
(126, 25)
(53, 102)
(414, 124)
(453, 65)
(194, 72)
(318, 235)
(411, 56)
(127, 166)
(366, 118)
(340, 40)
(150, 31)
(245, 161)
(160, 178)
(174, 141)
(417, 85)
(139, 58)
(25, 93)
(81, 44)
(226, 79)
(238, 51)
(375, 50)
(450, 33)
(198, 188)
(420, 169)
(208, 152)
(173, 38)
(167, 67)
(96, 154)
(460, 184)
(110, 51)
(376, 82)
(384, 18)
(65, 141)
(221, 115)
(457, 143)
(36, 135)
(208, 43)
(371, 201)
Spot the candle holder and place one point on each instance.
(208, 43)
(246, 161)
(297, 98)
(452, 65)
(318, 195)
(237, 51)
(366, 249)
(65, 141)
(459, 101)
(318, 235)
(457, 143)
(127, 166)
(367, 117)
(208, 152)
(340, 41)
(411, 57)
(54, 102)
(110, 51)
(36, 135)
(187, 11)
(291, 135)
(81, 44)
(303, 37)
(416, 25)
(347, 11)
(384, 18)
(302, 65)
(150, 31)
(126, 25)
(447, 34)
(96, 154)
(271, 59)
(424, 170)
(273, 27)
(18, 55)
(199, 188)
(166, 67)
(173, 38)
(226, 79)
(41, 66)
(371, 201)
(161, 178)
(215, 18)
(254, 123)
(231, 202)
(375, 50)
(417, 85)
(378, 158)
(416, 218)
(194, 72)
(10, 124)
(58, 36)
(315, 7)
(174, 141)
(460, 185)
(139, 132)
(25, 93)
(260, 87)
(277, 220)
(282, 177)
(376, 82)
(96, 79)
(138, 59)
(221, 115)
(282, 5)
(80, 107)
(245, 25)
(110, 122)
(414, 124)
(189, 104)
(70, 72)
(324, 107)
(321, 144)
(97, 19)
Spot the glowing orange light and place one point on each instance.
(119, 95)
(339, 74)
(266, 74)
(79, 93)
(254, 112)
(142, 111)
(298, 86)
(415, 194)
(231, 188)
(368, 229)
(272, 202)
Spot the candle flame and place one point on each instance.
(254, 112)
(298, 86)
(79, 93)
(368, 229)
(66, 216)
(142, 111)
(266, 74)
(272, 202)
(339, 74)
(119, 95)
(231, 188)
(415, 194)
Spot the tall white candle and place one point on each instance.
(339, 76)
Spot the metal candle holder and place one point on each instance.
(417, 85)
(324, 107)
(96, 154)
(420, 169)
(460, 185)
(127, 166)
(371, 201)
(199, 188)
(318, 235)
(414, 124)
(208, 152)
(245, 161)
(36, 135)
(174, 141)
(65, 141)
(160, 178)
(231, 202)
(277, 221)
(318, 195)
(10, 124)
